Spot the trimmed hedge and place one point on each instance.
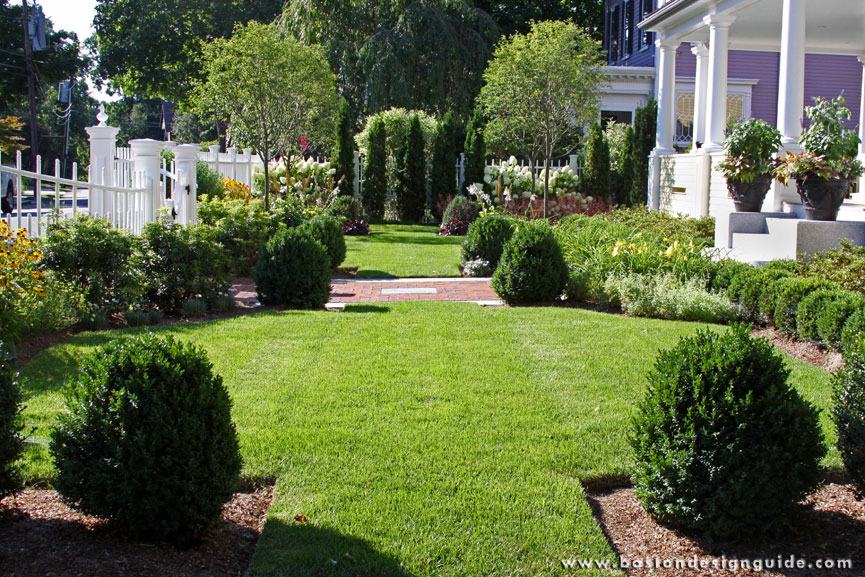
(725, 271)
(849, 411)
(723, 444)
(148, 441)
(789, 293)
(486, 238)
(810, 310)
(328, 231)
(293, 270)
(853, 329)
(532, 268)
(831, 321)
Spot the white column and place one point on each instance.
(701, 86)
(716, 99)
(666, 97)
(103, 140)
(184, 195)
(791, 80)
(146, 154)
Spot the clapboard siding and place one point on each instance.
(829, 76)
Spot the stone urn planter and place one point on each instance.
(749, 196)
(822, 197)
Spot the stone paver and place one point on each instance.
(345, 291)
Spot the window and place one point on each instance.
(627, 23)
(737, 107)
(614, 34)
(645, 35)
(620, 116)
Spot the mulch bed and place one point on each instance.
(804, 351)
(832, 528)
(41, 536)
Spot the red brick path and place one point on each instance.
(392, 290)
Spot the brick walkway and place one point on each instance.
(345, 291)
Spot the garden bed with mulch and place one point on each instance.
(832, 528)
(41, 536)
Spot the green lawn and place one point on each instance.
(394, 250)
(423, 438)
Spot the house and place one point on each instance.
(717, 59)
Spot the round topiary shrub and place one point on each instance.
(853, 328)
(725, 271)
(833, 318)
(11, 442)
(347, 208)
(723, 445)
(328, 231)
(463, 209)
(148, 441)
(293, 270)
(486, 238)
(849, 412)
(532, 268)
(789, 292)
(810, 309)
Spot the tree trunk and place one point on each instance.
(546, 180)
(266, 159)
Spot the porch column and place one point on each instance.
(791, 81)
(701, 85)
(666, 96)
(716, 99)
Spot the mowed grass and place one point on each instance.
(394, 250)
(425, 439)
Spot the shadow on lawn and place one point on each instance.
(431, 239)
(366, 309)
(304, 550)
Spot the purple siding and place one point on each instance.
(644, 57)
(825, 75)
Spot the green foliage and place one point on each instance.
(845, 266)
(463, 209)
(754, 289)
(148, 441)
(62, 305)
(95, 258)
(487, 237)
(475, 149)
(666, 296)
(222, 304)
(411, 193)
(625, 174)
(725, 271)
(274, 89)
(676, 227)
(208, 181)
(327, 230)
(849, 411)
(194, 308)
(540, 89)
(241, 227)
(789, 293)
(375, 170)
(854, 328)
(596, 170)
(180, 263)
(344, 151)
(396, 124)
(832, 320)
(723, 444)
(11, 425)
(645, 129)
(347, 208)
(749, 147)
(443, 181)
(293, 270)
(531, 269)
(810, 309)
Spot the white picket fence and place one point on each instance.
(234, 164)
(123, 209)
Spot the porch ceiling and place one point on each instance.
(832, 26)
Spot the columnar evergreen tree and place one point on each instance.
(645, 128)
(375, 172)
(411, 195)
(344, 151)
(596, 172)
(626, 174)
(444, 171)
(476, 149)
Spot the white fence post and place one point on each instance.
(103, 139)
(184, 195)
(147, 159)
(213, 157)
(357, 174)
(461, 172)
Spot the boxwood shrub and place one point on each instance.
(463, 209)
(789, 293)
(532, 268)
(486, 238)
(853, 328)
(849, 411)
(832, 319)
(147, 441)
(810, 309)
(725, 271)
(328, 231)
(293, 270)
(723, 444)
(11, 442)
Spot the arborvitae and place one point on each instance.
(626, 175)
(344, 152)
(444, 172)
(476, 150)
(375, 172)
(596, 172)
(411, 193)
(645, 128)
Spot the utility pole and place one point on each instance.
(31, 81)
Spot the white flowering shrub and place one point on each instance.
(477, 268)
